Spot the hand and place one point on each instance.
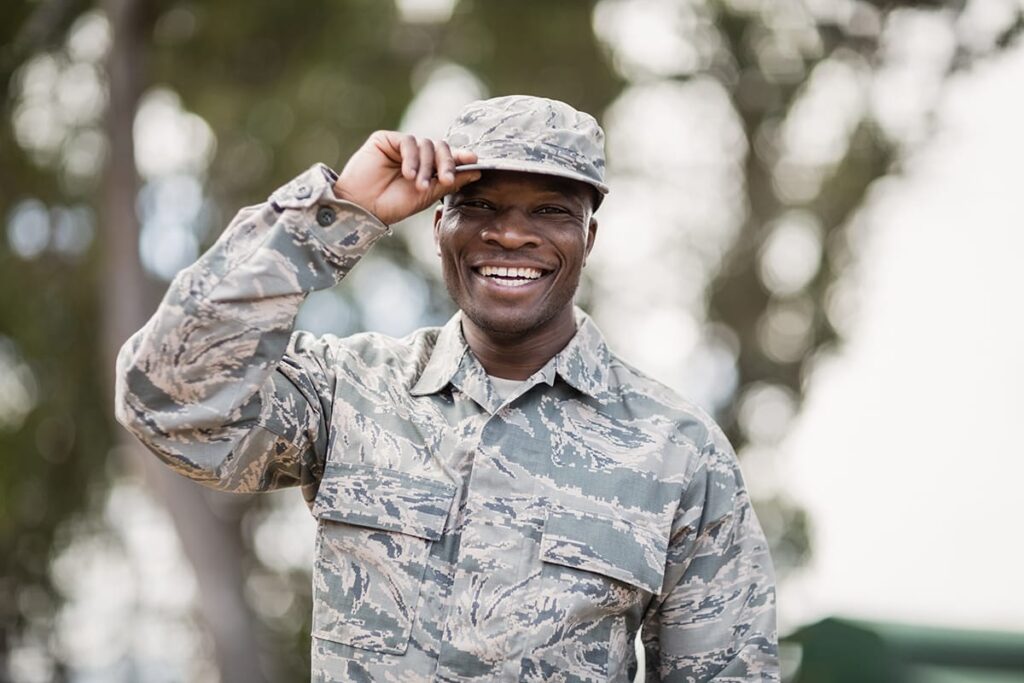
(393, 174)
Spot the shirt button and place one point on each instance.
(303, 191)
(325, 216)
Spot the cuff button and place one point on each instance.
(325, 216)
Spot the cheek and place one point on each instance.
(573, 248)
(452, 240)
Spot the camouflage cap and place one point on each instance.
(533, 135)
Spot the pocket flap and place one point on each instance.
(611, 547)
(379, 498)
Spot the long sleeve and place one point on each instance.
(716, 618)
(216, 384)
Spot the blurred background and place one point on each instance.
(814, 231)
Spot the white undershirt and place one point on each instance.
(505, 387)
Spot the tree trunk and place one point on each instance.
(210, 541)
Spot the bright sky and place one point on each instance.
(908, 455)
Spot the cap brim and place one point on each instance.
(530, 167)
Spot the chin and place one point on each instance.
(507, 319)
(512, 324)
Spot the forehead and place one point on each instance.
(496, 182)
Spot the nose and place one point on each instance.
(511, 229)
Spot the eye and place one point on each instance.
(552, 210)
(476, 204)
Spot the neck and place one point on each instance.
(517, 356)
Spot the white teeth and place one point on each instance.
(517, 273)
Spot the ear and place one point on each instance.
(438, 213)
(591, 238)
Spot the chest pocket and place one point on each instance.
(602, 545)
(595, 570)
(374, 534)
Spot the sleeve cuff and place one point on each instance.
(311, 187)
(340, 225)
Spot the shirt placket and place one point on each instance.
(498, 537)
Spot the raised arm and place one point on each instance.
(216, 384)
(716, 618)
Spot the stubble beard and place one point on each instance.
(527, 322)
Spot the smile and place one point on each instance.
(510, 277)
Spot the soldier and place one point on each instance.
(498, 499)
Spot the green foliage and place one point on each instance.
(52, 463)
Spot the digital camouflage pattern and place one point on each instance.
(531, 134)
(460, 537)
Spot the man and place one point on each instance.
(500, 499)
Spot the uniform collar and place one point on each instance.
(583, 363)
(449, 350)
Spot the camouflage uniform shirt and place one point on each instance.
(460, 537)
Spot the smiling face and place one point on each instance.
(512, 246)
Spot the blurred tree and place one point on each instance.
(281, 86)
(54, 429)
(771, 58)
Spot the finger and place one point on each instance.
(426, 169)
(463, 178)
(438, 191)
(410, 156)
(388, 143)
(464, 156)
(444, 162)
